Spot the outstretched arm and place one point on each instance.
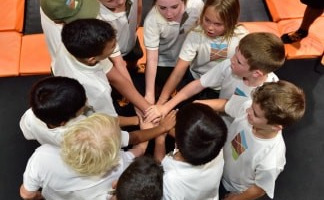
(150, 74)
(251, 193)
(120, 65)
(173, 80)
(215, 104)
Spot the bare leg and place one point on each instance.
(310, 15)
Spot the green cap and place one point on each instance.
(70, 10)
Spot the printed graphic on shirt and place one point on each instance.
(239, 92)
(239, 145)
(218, 51)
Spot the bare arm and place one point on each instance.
(30, 195)
(139, 12)
(127, 89)
(120, 65)
(128, 121)
(173, 80)
(251, 193)
(165, 125)
(215, 104)
(150, 74)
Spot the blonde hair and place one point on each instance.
(282, 102)
(91, 147)
(228, 11)
(263, 51)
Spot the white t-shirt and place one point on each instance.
(221, 76)
(35, 129)
(204, 52)
(52, 32)
(182, 180)
(46, 169)
(167, 36)
(250, 160)
(93, 79)
(124, 25)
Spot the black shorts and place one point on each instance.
(314, 3)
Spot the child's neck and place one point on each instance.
(119, 9)
(264, 133)
(255, 81)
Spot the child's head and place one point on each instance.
(200, 133)
(89, 38)
(261, 51)
(219, 17)
(91, 146)
(113, 4)
(142, 180)
(171, 10)
(63, 11)
(276, 103)
(56, 100)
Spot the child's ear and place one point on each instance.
(257, 73)
(92, 61)
(277, 127)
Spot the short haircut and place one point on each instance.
(92, 146)
(200, 133)
(263, 51)
(228, 11)
(86, 38)
(282, 102)
(57, 99)
(142, 180)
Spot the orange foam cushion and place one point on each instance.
(252, 27)
(12, 15)
(35, 58)
(140, 35)
(9, 53)
(310, 46)
(285, 9)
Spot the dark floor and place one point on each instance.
(304, 172)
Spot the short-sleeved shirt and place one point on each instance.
(221, 75)
(167, 36)
(250, 160)
(182, 180)
(125, 24)
(35, 129)
(46, 169)
(204, 52)
(93, 79)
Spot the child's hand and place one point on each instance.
(168, 122)
(144, 125)
(152, 114)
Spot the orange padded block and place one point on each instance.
(309, 47)
(285, 9)
(35, 58)
(9, 53)
(140, 35)
(12, 15)
(252, 27)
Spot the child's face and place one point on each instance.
(239, 65)
(171, 10)
(113, 4)
(256, 117)
(212, 24)
(109, 49)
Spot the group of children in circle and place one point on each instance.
(192, 46)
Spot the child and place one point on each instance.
(142, 180)
(213, 41)
(165, 28)
(55, 13)
(87, 44)
(251, 66)
(194, 169)
(58, 102)
(86, 165)
(254, 152)
(124, 16)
